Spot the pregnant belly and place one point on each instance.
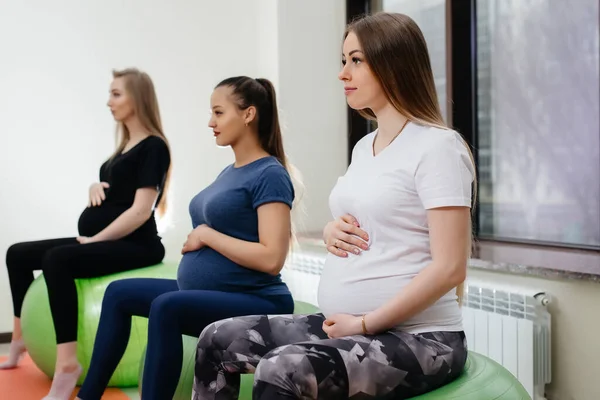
(95, 219)
(357, 285)
(206, 269)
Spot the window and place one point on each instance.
(430, 15)
(538, 121)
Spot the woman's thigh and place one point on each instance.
(100, 258)
(135, 296)
(227, 339)
(193, 310)
(394, 365)
(29, 255)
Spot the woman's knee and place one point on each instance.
(117, 293)
(206, 343)
(278, 365)
(229, 344)
(281, 359)
(217, 337)
(15, 254)
(300, 370)
(207, 337)
(165, 307)
(236, 332)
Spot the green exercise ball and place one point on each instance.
(482, 379)
(38, 328)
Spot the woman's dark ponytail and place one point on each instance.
(260, 93)
(268, 124)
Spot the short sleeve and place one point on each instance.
(154, 164)
(274, 185)
(445, 173)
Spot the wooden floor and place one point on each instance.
(29, 383)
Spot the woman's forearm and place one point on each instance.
(425, 289)
(125, 224)
(251, 255)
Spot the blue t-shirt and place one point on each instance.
(229, 205)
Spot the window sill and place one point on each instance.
(536, 272)
(540, 261)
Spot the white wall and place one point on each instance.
(55, 73)
(312, 99)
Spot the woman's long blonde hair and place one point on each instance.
(396, 51)
(140, 88)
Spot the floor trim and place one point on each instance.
(5, 337)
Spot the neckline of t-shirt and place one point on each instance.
(136, 145)
(251, 163)
(407, 128)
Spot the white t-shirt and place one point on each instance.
(389, 194)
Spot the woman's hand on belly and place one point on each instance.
(97, 195)
(344, 235)
(195, 240)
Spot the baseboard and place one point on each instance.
(5, 337)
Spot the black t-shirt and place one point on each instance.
(144, 165)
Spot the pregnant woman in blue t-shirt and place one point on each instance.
(117, 229)
(232, 257)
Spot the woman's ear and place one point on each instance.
(249, 115)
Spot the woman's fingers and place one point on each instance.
(342, 244)
(346, 237)
(349, 219)
(353, 230)
(337, 251)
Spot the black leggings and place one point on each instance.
(64, 260)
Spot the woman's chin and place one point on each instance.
(353, 104)
(220, 142)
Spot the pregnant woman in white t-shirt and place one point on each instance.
(390, 291)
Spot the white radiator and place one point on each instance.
(508, 325)
(512, 327)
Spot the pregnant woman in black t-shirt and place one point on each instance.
(117, 229)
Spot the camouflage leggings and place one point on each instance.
(292, 358)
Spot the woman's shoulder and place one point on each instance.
(155, 141)
(271, 167)
(262, 168)
(268, 163)
(432, 135)
(155, 147)
(442, 148)
(425, 140)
